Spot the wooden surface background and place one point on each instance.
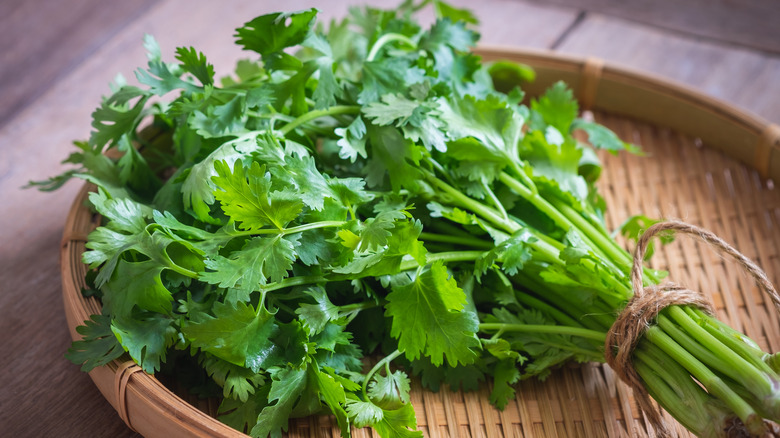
(57, 58)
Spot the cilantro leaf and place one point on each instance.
(557, 107)
(398, 423)
(146, 338)
(391, 391)
(259, 260)
(505, 375)
(237, 333)
(275, 32)
(286, 387)
(195, 62)
(429, 318)
(364, 413)
(236, 381)
(246, 197)
(98, 345)
(137, 284)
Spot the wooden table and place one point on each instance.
(59, 56)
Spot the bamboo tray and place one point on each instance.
(706, 163)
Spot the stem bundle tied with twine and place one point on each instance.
(648, 302)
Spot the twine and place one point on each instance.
(647, 302)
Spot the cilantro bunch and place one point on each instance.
(360, 203)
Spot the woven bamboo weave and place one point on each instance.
(686, 173)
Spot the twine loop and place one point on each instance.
(647, 303)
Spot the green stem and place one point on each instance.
(293, 230)
(387, 38)
(734, 340)
(714, 384)
(735, 366)
(494, 200)
(524, 178)
(445, 257)
(546, 329)
(295, 281)
(311, 115)
(458, 240)
(480, 209)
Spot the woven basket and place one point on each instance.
(706, 163)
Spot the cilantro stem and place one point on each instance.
(494, 200)
(466, 241)
(445, 257)
(545, 329)
(386, 360)
(387, 38)
(293, 230)
(294, 281)
(714, 384)
(312, 115)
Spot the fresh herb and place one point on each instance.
(372, 195)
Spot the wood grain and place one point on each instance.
(46, 39)
(56, 59)
(748, 23)
(743, 77)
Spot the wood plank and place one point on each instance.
(749, 23)
(45, 39)
(746, 78)
(43, 394)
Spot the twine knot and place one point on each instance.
(647, 303)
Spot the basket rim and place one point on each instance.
(590, 75)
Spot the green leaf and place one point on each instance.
(242, 415)
(248, 199)
(327, 86)
(220, 120)
(160, 77)
(352, 140)
(261, 259)
(236, 381)
(286, 387)
(601, 137)
(275, 32)
(505, 375)
(496, 126)
(391, 391)
(377, 229)
(316, 316)
(137, 284)
(198, 188)
(147, 339)
(111, 121)
(429, 318)
(195, 63)
(98, 345)
(392, 155)
(364, 413)
(301, 173)
(237, 333)
(633, 228)
(333, 394)
(455, 14)
(557, 107)
(399, 423)
(387, 76)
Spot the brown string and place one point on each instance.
(121, 379)
(647, 302)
